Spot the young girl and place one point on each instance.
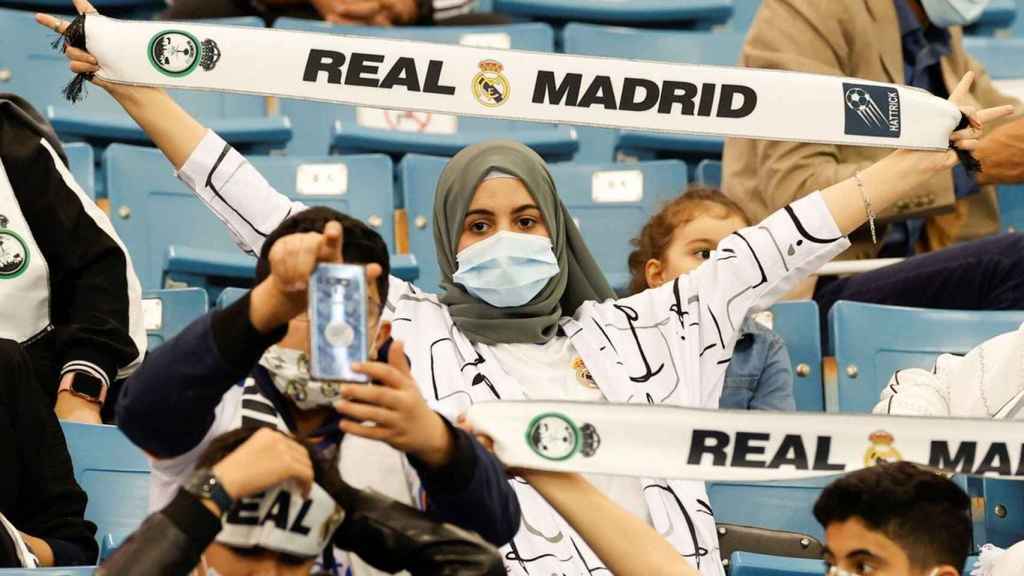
(525, 312)
(678, 239)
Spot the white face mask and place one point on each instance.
(946, 13)
(289, 370)
(508, 269)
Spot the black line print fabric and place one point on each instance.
(648, 378)
(433, 372)
(775, 242)
(729, 302)
(718, 327)
(678, 309)
(209, 184)
(699, 551)
(605, 334)
(803, 231)
(631, 317)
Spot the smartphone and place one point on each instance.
(337, 322)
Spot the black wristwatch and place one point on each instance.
(203, 484)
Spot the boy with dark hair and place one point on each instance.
(246, 365)
(895, 519)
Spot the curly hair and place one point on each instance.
(656, 235)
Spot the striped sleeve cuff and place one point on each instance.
(86, 367)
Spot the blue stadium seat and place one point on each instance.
(992, 52)
(349, 129)
(797, 323)
(866, 357)
(229, 295)
(998, 15)
(1011, 208)
(749, 564)
(82, 163)
(606, 227)
(115, 475)
(172, 236)
(38, 73)
(167, 312)
(709, 173)
(692, 13)
(719, 49)
(743, 14)
(778, 505)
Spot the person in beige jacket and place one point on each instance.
(888, 41)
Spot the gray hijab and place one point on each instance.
(579, 278)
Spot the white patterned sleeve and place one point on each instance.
(236, 192)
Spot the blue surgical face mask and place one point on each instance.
(508, 269)
(946, 13)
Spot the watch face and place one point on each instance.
(202, 483)
(87, 384)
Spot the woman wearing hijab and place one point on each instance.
(525, 312)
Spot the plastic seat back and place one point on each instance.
(167, 312)
(115, 475)
(870, 342)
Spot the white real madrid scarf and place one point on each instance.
(543, 87)
(280, 519)
(687, 443)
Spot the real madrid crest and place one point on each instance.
(881, 449)
(14, 254)
(177, 53)
(583, 373)
(556, 437)
(490, 87)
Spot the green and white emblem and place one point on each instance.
(14, 254)
(556, 437)
(177, 53)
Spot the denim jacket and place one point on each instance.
(759, 376)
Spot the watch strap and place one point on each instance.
(204, 484)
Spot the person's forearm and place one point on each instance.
(626, 544)
(174, 131)
(885, 182)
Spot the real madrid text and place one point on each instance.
(492, 87)
(721, 448)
